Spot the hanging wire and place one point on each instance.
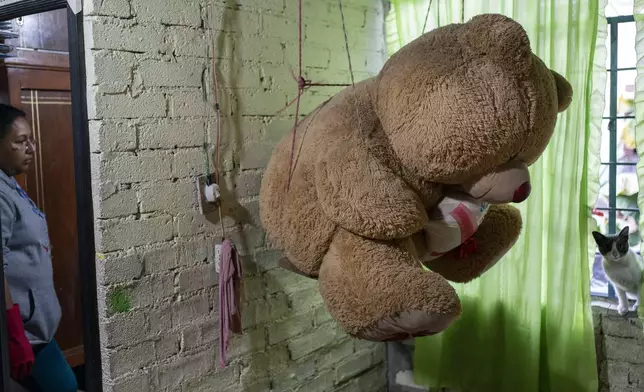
(206, 143)
(429, 7)
(215, 91)
(206, 160)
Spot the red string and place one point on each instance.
(302, 85)
(300, 89)
(470, 246)
(308, 84)
(299, 41)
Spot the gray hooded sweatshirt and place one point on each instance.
(27, 261)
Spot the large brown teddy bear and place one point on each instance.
(462, 109)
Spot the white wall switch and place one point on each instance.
(205, 192)
(217, 257)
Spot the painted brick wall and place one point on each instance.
(620, 351)
(148, 79)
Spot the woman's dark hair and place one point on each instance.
(8, 114)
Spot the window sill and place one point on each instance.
(606, 306)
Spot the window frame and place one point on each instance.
(612, 118)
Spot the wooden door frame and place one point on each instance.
(84, 204)
(82, 168)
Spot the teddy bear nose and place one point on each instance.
(522, 192)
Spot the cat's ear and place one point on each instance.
(599, 237)
(624, 232)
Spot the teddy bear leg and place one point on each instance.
(378, 291)
(495, 236)
(285, 263)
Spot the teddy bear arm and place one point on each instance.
(378, 291)
(364, 196)
(495, 236)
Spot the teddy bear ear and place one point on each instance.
(564, 92)
(499, 36)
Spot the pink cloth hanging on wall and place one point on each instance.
(230, 275)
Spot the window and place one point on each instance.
(616, 205)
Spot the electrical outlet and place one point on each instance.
(217, 257)
(205, 207)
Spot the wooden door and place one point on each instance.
(45, 96)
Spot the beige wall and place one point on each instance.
(147, 75)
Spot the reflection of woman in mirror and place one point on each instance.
(32, 308)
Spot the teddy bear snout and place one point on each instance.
(508, 183)
(522, 192)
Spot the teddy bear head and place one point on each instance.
(470, 105)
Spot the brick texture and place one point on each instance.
(150, 107)
(620, 351)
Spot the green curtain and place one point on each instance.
(527, 323)
(638, 13)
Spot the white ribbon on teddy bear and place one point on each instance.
(452, 223)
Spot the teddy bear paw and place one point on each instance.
(407, 325)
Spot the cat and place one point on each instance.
(622, 267)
